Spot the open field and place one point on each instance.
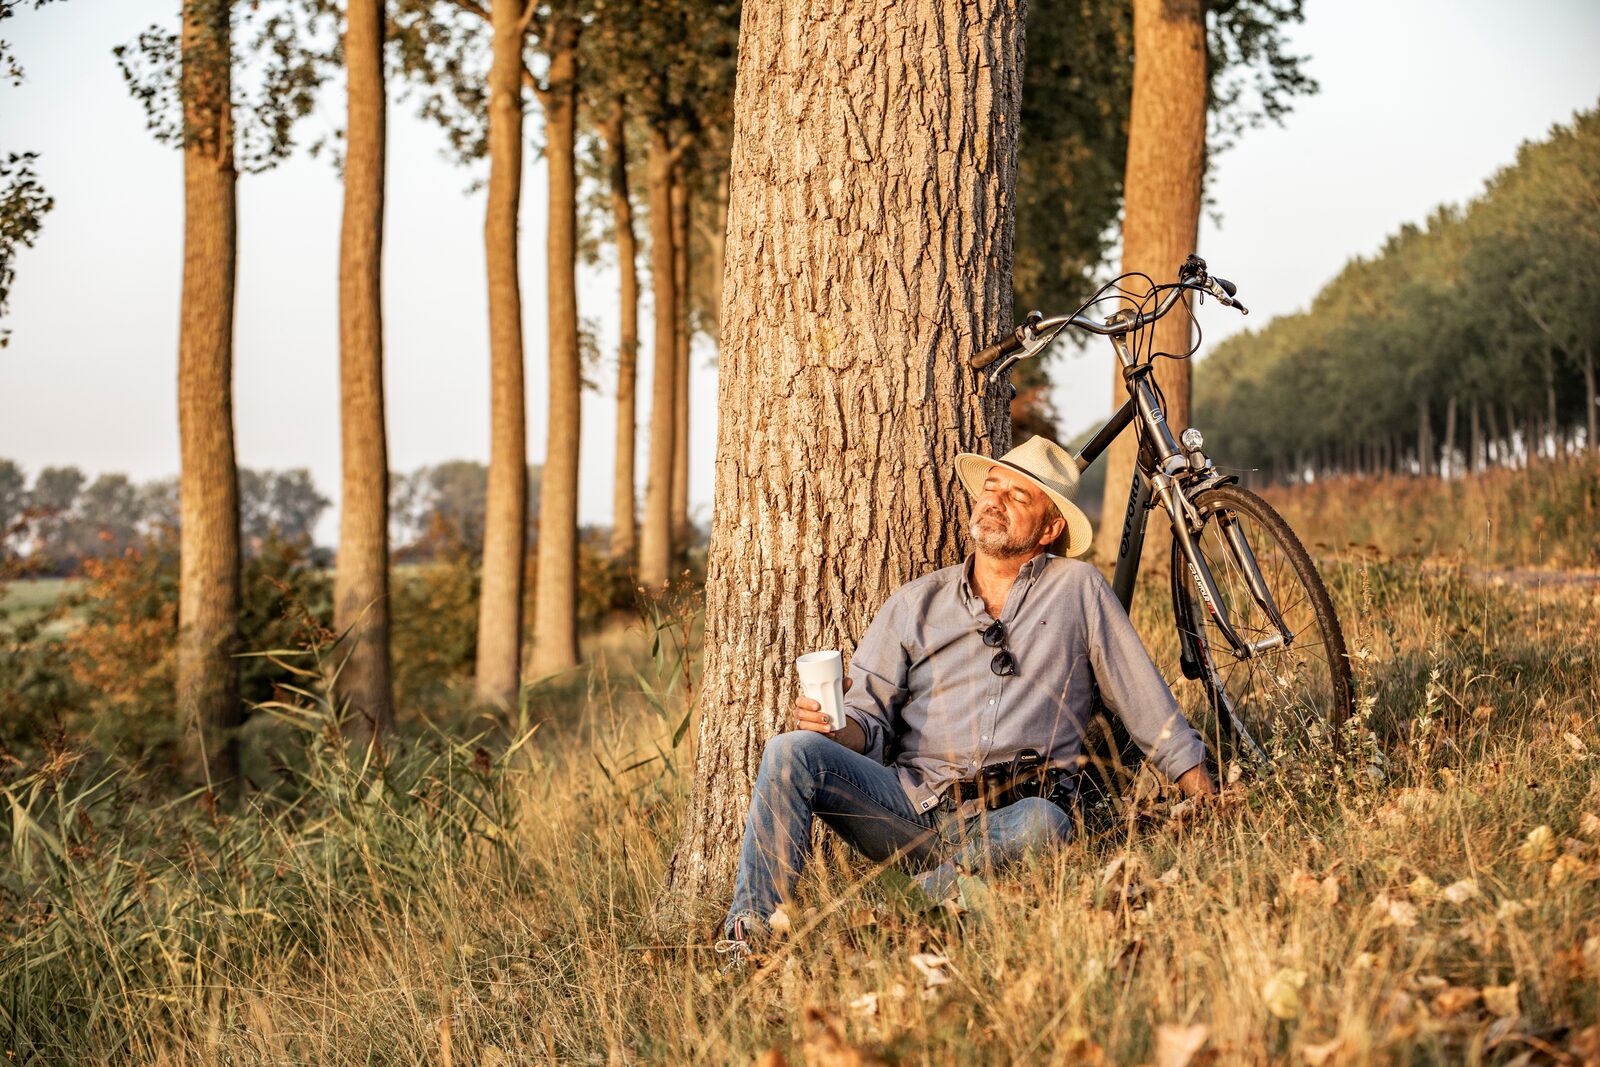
(1430, 897)
(30, 599)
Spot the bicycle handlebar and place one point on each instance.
(1115, 326)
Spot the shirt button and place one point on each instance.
(991, 703)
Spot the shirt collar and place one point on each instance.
(1029, 572)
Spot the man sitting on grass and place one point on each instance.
(963, 669)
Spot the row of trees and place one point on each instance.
(53, 524)
(1466, 341)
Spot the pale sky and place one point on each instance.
(1420, 102)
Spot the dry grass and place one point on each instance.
(1432, 898)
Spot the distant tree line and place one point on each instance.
(52, 525)
(1467, 341)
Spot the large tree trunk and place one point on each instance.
(655, 536)
(361, 576)
(680, 362)
(506, 512)
(1161, 210)
(208, 487)
(624, 529)
(869, 252)
(555, 606)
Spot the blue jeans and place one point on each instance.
(805, 773)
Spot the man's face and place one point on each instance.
(1012, 517)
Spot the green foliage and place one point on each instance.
(101, 666)
(1487, 305)
(285, 50)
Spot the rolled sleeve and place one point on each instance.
(1133, 688)
(878, 680)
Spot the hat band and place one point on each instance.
(1024, 470)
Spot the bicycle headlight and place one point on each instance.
(1193, 440)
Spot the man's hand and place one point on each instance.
(1195, 782)
(808, 713)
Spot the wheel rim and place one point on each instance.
(1285, 698)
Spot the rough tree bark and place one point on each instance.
(208, 485)
(555, 605)
(361, 575)
(869, 252)
(655, 534)
(680, 362)
(1161, 209)
(499, 672)
(624, 530)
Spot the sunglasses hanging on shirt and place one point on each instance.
(994, 635)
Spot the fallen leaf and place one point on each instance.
(1539, 846)
(1330, 890)
(771, 1058)
(1510, 909)
(826, 1046)
(1390, 912)
(1282, 993)
(1462, 891)
(493, 1057)
(1364, 961)
(1422, 887)
(1575, 743)
(866, 1004)
(1176, 1045)
(1569, 868)
(1501, 1000)
(1589, 825)
(932, 968)
(1429, 982)
(1319, 1055)
(1453, 1000)
(779, 923)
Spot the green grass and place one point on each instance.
(31, 599)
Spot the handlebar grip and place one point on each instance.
(1227, 286)
(1005, 346)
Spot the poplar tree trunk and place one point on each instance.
(1475, 431)
(869, 253)
(555, 605)
(1161, 211)
(655, 536)
(1424, 440)
(624, 540)
(361, 575)
(680, 362)
(208, 486)
(1447, 460)
(499, 674)
(1593, 441)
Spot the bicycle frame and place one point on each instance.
(1155, 478)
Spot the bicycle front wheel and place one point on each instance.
(1292, 689)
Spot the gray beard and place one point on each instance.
(997, 544)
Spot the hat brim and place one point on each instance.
(972, 469)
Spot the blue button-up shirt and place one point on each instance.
(924, 695)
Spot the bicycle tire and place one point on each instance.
(1293, 697)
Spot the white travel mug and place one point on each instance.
(822, 679)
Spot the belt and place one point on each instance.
(964, 789)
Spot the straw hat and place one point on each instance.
(1048, 466)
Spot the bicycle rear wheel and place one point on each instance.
(1261, 706)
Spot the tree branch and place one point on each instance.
(473, 7)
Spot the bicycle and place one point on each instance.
(1255, 624)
